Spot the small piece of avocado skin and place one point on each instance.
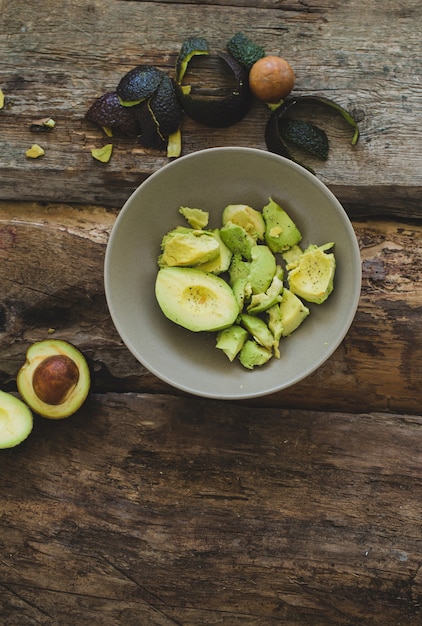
(281, 232)
(306, 136)
(253, 354)
(231, 340)
(245, 50)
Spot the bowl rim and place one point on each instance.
(185, 387)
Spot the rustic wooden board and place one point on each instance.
(58, 56)
(161, 510)
(51, 272)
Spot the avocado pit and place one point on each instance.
(55, 378)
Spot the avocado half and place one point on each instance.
(55, 379)
(15, 420)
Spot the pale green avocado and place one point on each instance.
(15, 420)
(262, 268)
(231, 340)
(292, 312)
(189, 248)
(245, 216)
(196, 300)
(197, 218)
(238, 268)
(260, 302)
(237, 240)
(222, 261)
(292, 256)
(258, 329)
(281, 232)
(313, 277)
(253, 354)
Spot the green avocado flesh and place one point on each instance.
(246, 280)
(15, 420)
(194, 299)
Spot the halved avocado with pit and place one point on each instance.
(55, 378)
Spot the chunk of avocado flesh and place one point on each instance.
(221, 263)
(189, 248)
(292, 312)
(237, 240)
(258, 329)
(245, 216)
(262, 268)
(253, 354)
(197, 218)
(15, 420)
(281, 232)
(196, 300)
(313, 277)
(260, 302)
(238, 268)
(231, 340)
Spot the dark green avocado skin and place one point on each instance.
(220, 112)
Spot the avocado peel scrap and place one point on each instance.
(280, 133)
(224, 111)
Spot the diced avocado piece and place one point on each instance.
(241, 290)
(245, 216)
(258, 329)
(194, 299)
(276, 327)
(262, 269)
(292, 312)
(197, 218)
(281, 232)
(238, 268)
(237, 240)
(313, 278)
(262, 301)
(231, 340)
(221, 263)
(292, 256)
(189, 248)
(252, 354)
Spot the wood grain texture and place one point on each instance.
(162, 510)
(52, 275)
(59, 57)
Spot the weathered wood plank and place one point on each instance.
(57, 58)
(51, 269)
(162, 510)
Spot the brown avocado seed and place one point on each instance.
(55, 378)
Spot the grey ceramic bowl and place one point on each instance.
(210, 179)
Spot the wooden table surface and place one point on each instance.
(151, 507)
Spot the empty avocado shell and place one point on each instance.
(138, 84)
(218, 111)
(108, 112)
(55, 379)
(281, 131)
